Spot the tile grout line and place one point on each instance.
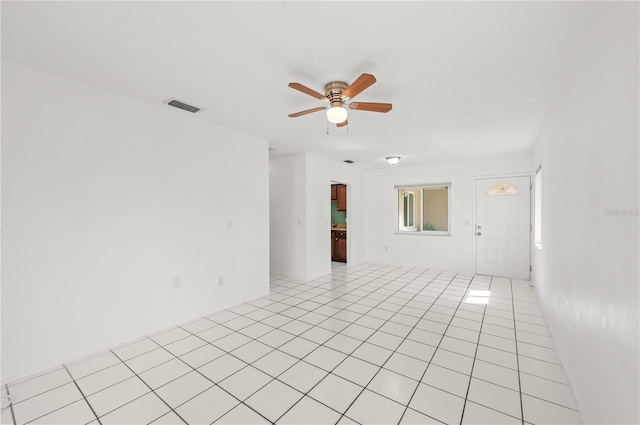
(413, 327)
(359, 345)
(342, 361)
(450, 325)
(32, 377)
(234, 373)
(83, 396)
(115, 364)
(150, 389)
(490, 382)
(61, 407)
(515, 336)
(406, 405)
(388, 320)
(207, 378)
(437, 348)
(252, 339)
(347, 356)
(336, 333)
(43, 392)
(475, 356)
(13, 415)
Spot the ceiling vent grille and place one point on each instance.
(184, 106)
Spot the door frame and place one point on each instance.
(475, 213)
(348, 185)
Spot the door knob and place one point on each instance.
(478, 234)
(478, 227)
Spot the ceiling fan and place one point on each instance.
(339, 94)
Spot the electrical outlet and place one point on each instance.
(220, 280)
(176, 281)
(386, 248)
(229, 224)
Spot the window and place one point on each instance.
(538, 209)
(424, 209)
(499, 189)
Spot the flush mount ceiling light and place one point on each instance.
(393, 160)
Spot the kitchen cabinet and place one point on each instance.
(341, 193)
(339, 245)
(334, 192)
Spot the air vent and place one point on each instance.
(348, 161)
(184, 106)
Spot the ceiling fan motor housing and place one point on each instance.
(334, 90)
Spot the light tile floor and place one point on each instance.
(367, 344)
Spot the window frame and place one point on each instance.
(419, 230)
(408, 215)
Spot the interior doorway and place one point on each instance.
(503, 226)
(339, 220)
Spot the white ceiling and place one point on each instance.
(466, 79)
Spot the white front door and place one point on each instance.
(503, 226)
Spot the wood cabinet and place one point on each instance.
(341, 193)
(339, 235)
(339, 245)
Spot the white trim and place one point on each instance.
(537, 208)
(423, 233)
(417, 185)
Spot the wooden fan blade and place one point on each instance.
(343, 123)
(368, 106)
(307, 90)
(308, 111)
(359, 85)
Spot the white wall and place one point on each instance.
(301, 214)
(105, 200)
(587, 271)
(287, 215)
(455, 252)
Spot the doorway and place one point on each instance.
(503, 226)
(339, 231)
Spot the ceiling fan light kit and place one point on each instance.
(393, 160)
(339, 94)
(336, 114)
